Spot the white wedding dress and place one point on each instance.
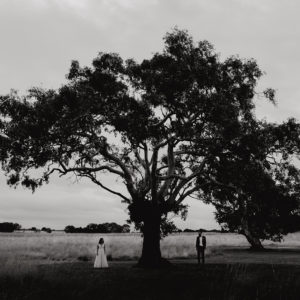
(101, 260)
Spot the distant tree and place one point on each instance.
(91, 228)
(97, 228)
(256, 190)
(189, 230)
(126, 228)
(34, 229)
(81, 230)
(102, 228)
(9, 227)
(113, 227)
(157, 125)
(46, 229)
(69, 229)
(17, 226)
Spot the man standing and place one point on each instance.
(200, 246)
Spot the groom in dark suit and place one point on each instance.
(200, 246)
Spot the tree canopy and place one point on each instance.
(99, 228)
(157, 125)
(255, 188)
(9, 227)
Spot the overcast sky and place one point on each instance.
(39, 38)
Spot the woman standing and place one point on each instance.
(101, 260)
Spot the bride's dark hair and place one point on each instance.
(101, 241)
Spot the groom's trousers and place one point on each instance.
(200, 254)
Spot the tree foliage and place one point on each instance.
(9, 227)
(156, 126)
(99, 228)
(46, 229)
(255, 188)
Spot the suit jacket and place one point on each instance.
(203, 242)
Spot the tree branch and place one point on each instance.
(164, 143)
(188, 193)
(127, 174)
(186, 180)
(171, 169)
(97, 169)
(153, 180)
(147, 185)
(230, 186)
(160, 123)
(106, 188)
(173, 176)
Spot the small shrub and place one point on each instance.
(83, 258)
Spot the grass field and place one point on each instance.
(59, 266)
(59, 246)
(183, 281)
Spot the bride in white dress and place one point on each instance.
(101, 260)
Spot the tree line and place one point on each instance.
(179, 124)
(99, 228)
(9, 227)
(92, 228)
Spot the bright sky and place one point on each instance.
(39, 38)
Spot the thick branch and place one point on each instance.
(62, 172)
(171, 169)
(106, 188)
(230, 186)
(189, 192)
(147, 186)
(153, 181)
(186, 180)
(164, 143)
(87, 172)
(139, 158)
(160, 123)
(127, 174)
(97, 169)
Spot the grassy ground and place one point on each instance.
(48, 267)
(70, 247)
(184, 280)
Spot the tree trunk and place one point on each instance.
(151, 255)
(254, 242)
(251, 238)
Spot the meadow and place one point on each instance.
(59, 246)
(60, 266)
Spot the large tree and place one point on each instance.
(157, 125)
(256, 187)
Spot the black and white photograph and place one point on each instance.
(149, 149)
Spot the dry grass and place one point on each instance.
(45, 266)
(59, 246)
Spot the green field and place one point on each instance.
(60, 266)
